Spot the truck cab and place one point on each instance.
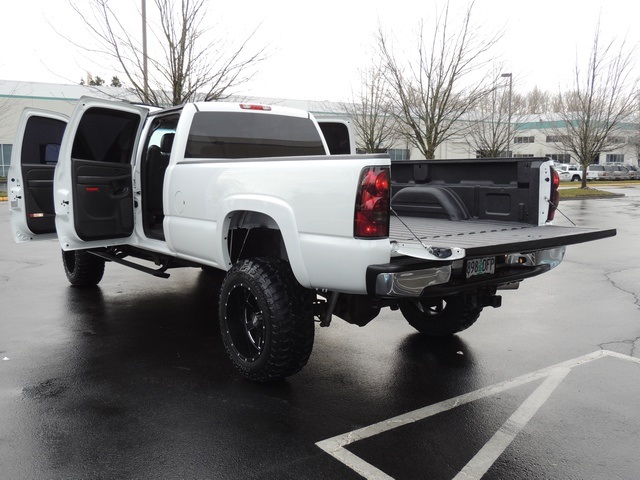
(108, 185)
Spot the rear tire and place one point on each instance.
(441, 316)
(82, 268)
(266, 319)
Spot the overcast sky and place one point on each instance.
(316, 47)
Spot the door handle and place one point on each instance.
(120, 193)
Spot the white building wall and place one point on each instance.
(15, 96)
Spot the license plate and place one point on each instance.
(481, 266)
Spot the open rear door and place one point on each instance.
(338, 134)
(30, 178)
(94, 181)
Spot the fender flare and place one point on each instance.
(283, 216)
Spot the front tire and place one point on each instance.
(441, 317)
(266, 319)
(82, 268)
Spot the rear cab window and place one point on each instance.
(252, 135)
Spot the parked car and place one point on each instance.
(610, 170)
(565, 175)
(596, 172)
(621, 172)
(569, 172)
(633, 172)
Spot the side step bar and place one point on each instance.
(159, 272)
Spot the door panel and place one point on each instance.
(38, 198)
(103, 199)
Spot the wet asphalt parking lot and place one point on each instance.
(130, 380)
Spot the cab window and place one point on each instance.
(41, 141)
(106, 135)
(251, 135)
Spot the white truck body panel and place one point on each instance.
(317, 229)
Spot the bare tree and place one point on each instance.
(634, 139)
(435, 87)
(8, 104)
(489, 130)
(537, 101)
(603, 96)
(8, 109)
(187, 66)
(370, 111)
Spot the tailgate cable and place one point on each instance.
(435, 251)
(558, 209)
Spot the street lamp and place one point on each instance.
(505, 75)
(145, 73)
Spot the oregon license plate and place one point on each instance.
(481, 266)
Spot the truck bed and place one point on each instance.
(484, 237)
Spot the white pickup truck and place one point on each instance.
(257, 191)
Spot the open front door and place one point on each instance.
(94, 180)
(30, 177)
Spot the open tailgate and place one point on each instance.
(419, 237)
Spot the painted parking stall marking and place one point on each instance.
(486, 457)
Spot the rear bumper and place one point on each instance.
(407, 277)
(393, 280)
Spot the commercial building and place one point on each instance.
(533, 136)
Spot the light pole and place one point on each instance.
(145, 74)
(505, 75)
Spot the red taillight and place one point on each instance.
(555, 179)
(372, 204)
(555, 194)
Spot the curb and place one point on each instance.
(594, 197)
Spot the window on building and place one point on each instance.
(487, 154)
(399, 154)
(615, 158)
(523, 155)
(556, 138)
(5, 159)
(559, 157)
(530, 139)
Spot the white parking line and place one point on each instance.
(498, 443)
(481, 463)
